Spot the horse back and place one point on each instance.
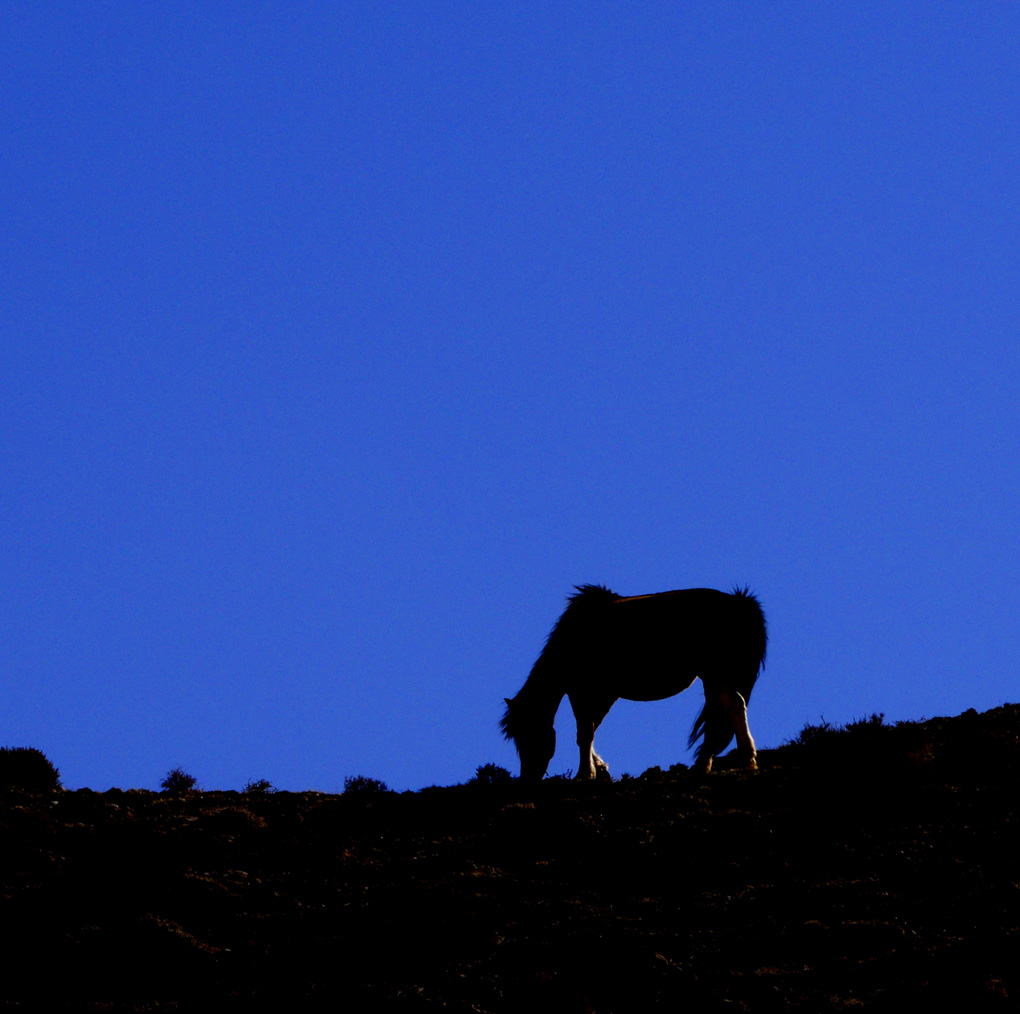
(664, 641)
(694, 630)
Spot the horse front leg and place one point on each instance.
(586, 745)
(589, 717)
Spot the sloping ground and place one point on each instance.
(875, 867)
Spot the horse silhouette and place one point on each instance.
(644, 648)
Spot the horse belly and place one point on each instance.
(643, 690)
(646, 679)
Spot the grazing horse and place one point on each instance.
(642, 648)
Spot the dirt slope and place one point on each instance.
(871, 868)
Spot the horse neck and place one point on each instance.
(542, 693)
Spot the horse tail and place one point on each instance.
(747, 634)
(753, 640)
(712, 715)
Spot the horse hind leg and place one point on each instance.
(717, 737)
(727, 716)
(736, 708)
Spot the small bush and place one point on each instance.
(652, 774)
(361, 784)
(24, 767)
(492, 774)
(261, 786)
(813, 733)
(566, 776)
(178, 780)
(876, 721)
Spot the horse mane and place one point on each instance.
(586, 600)
(505, 723)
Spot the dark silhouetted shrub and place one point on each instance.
(262, 785)
(565, 776)
(866, 745)
(492, 774)
(24, 767)
(813, 733)
(361, 784)
(826, 732)
(178, 780)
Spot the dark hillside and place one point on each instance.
(875, 867)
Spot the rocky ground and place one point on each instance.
(874, 867)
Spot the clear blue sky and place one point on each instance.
(339, 340)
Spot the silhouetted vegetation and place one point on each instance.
(262, 785)
(864, 743)
(811, 734)
(365, 786)
(492, 774)
(24, 767)
(178, 780)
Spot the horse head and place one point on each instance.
(535, 741)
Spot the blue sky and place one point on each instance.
(339, 341)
